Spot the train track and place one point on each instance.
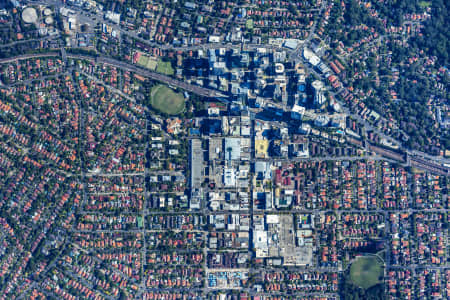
(420, 163)
(388, 153)
(205, 92)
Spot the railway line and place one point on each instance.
(420, 163)
(405, 157)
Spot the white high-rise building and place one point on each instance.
(319, 97)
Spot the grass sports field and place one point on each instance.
(164, 67)
(147, 62)
(366, 271)
(165, 100)
(158, 65)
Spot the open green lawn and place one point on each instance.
(147, 62)
(165, 100)
(143, 60)
(249, 24)
(366, 271)
(425, 4)
(151, 64)
(164, 67)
